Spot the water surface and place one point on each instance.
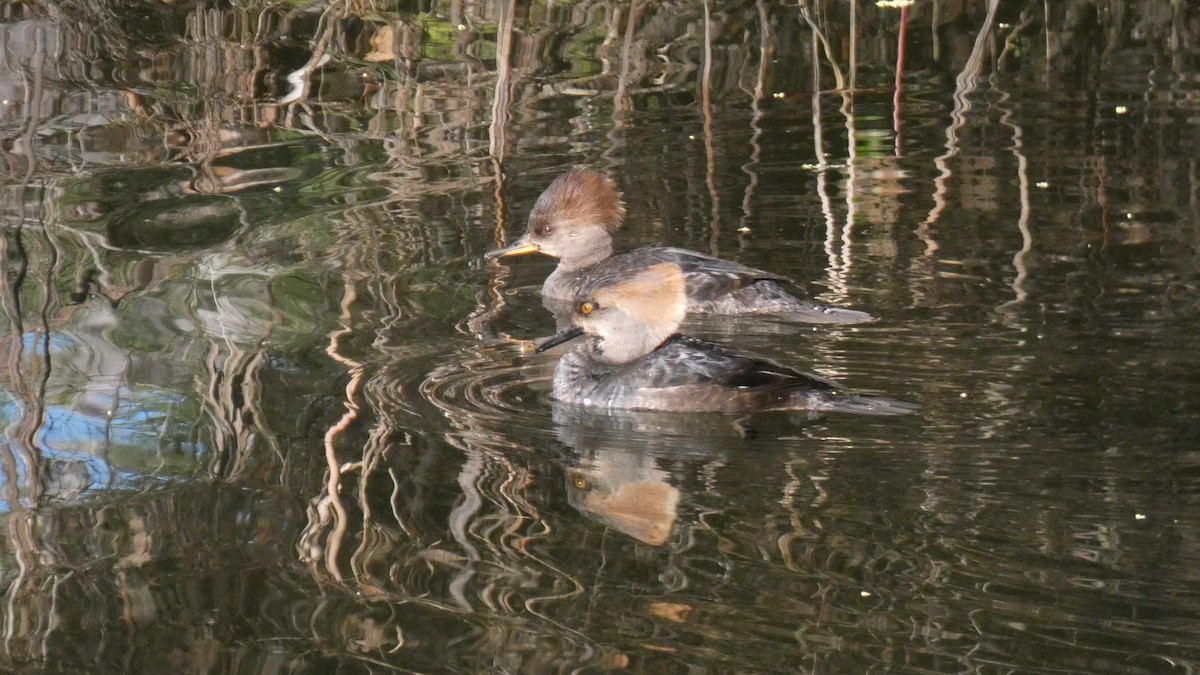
(266, 408)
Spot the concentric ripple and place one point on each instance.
(492, 384)
(495, 394)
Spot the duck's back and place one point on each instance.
(706, 277)
(713, 286)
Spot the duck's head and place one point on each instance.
(572, 220)
(630, 316)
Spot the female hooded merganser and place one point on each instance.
(573, 220)
(633, 359)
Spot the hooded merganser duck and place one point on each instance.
(633, 359)
(574, 219)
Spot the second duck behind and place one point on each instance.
(574, 219)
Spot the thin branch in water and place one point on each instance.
(503, 92)
(620, 101)
(709, 148)
(965, 84)
(760, 92)
(853, 44)
(822, 166)
(1027, 20)
(1018, 150)
(838, 77)
(897, 98)
(327, 508)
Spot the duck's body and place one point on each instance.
(573, 220)
(685, 374)
(632, 359)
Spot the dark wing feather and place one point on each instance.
(706, 277)
(709, 277)
(683, 361)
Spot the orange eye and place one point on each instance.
(586, 308)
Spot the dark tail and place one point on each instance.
(859, 404)
(772, 297)
(812, 312)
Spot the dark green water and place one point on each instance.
(266, 408)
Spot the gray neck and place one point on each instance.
(587, 255)
(563, 282)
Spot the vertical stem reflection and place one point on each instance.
(965, 84)
(326, 510)
(710, 164)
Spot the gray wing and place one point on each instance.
(684, 361)
(707, 277)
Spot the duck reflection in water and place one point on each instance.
(628, 469)
(615, 475)
(574, 219)
(627, 492)
(633, 359)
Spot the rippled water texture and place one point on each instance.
(266, 408)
